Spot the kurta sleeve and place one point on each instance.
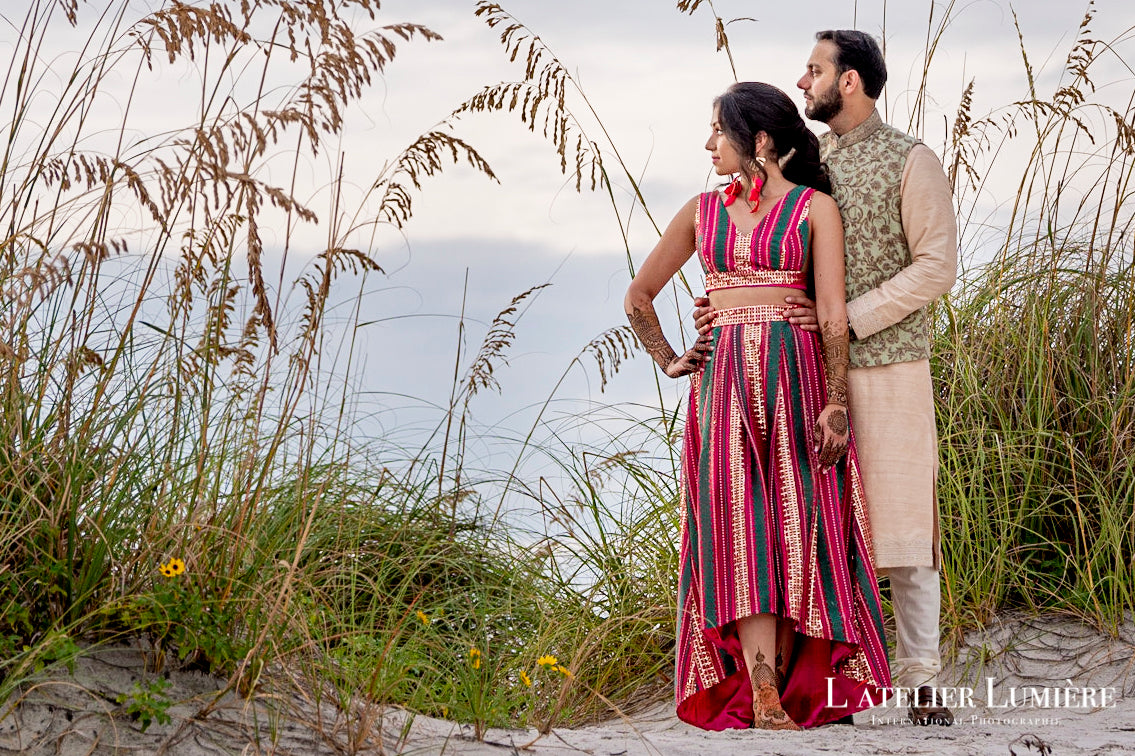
(931, 231)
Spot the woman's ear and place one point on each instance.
(760, 142)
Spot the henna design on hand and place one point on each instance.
(831, 431)
(649, 331)
(837, 422)
(836, 361)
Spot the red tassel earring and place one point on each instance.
(732, 192)
(758, 183)
(755, 192)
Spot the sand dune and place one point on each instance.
(1058, 687)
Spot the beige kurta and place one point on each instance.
(892, 404)
(897, 443)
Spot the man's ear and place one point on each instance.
(850, 81)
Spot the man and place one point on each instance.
(901, 250)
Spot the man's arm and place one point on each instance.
(932, 234)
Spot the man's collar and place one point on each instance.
(873, 123)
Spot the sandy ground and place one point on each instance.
(1022, 661)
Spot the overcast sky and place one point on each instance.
(650, 72)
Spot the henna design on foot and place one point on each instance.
(768, 714)
(762, 673)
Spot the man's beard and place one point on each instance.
(825, 106)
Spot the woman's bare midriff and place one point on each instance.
(745, 296)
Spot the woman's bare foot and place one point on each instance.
(768, 714)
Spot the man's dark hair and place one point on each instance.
(859, 52)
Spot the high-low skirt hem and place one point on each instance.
(763, 533)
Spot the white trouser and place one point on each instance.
(916, 597)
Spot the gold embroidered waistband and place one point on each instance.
(734, 278)
(750, 314)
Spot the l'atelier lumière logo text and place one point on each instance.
(1066, 697)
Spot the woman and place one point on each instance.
(779, 624)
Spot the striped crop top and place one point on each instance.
(775, 253)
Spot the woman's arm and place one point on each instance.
(831, 429)
(667, 258)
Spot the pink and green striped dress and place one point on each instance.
(764, 529)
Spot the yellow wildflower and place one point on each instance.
(524, 678)
(422, 616)
(172, 568)
(475, 658)
(547, 661)
(562, 670)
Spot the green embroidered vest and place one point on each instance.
(866, 166)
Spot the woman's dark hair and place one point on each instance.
(858, 51)
(750, 107)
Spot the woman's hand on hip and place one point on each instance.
(694, 358)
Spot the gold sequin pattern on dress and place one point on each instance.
(728, 279)
(815, 590)
(756, 384)
(704, 666)
(790, 511)
(740, 504)
(859, 508)
(750, 314)
(857, 668)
